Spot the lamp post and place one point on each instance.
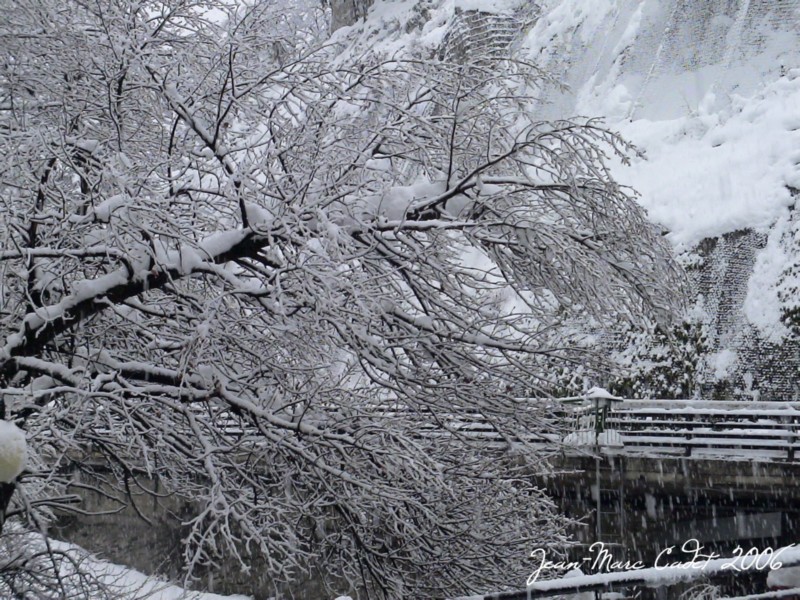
(602, 402)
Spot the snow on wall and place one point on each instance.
(666, 54)
(745, 363)
(705, 87)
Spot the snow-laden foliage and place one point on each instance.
(654, 363)
(278, 279)
(34, 567)
(788, 288)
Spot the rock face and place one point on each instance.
(743, 363)
(677, 76)
(347, 12)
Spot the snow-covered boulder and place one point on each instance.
(13, 451)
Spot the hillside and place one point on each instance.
(710, 92)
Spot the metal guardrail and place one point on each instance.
(708, 429)
(713, 430)
(679, 428)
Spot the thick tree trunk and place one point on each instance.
(6, 493)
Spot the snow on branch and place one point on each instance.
(226, 273)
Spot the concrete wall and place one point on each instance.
(153, 546)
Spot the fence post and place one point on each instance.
(688, 451)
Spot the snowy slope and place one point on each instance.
(705, 88)
(83, 575)
(708, 89)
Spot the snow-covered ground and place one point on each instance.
(129, 584)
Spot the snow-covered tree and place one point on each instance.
(278, 279)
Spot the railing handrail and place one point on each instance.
(717, 405)
(735, 428)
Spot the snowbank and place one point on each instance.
(13, 451)
(130, 584)
(710, 173)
